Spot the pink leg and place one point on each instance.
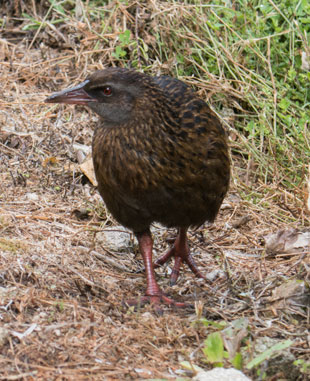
(180, 252)
(153, 294)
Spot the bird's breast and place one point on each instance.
(124, 159)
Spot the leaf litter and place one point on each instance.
(61, 289)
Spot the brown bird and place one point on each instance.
(160, 155)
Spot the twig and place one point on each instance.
(137, 34)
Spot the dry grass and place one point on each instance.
(60, 305)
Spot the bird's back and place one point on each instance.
(176, 89)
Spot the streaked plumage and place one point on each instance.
(160, 154)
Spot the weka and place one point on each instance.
(160, 155)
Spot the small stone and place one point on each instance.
(211, 276)
(221, 374)
(116, 239)
(32, 196)
(57, 332)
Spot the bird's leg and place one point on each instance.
(180, 252)
(146, 248)
(153, 294)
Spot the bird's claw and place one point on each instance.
(156, 301)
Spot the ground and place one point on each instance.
(63, 288)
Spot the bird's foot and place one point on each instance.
(189, 260)
(156, 302)
(153, 293)
(181, 254)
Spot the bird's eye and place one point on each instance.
(107, 91)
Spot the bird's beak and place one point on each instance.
(74, 95)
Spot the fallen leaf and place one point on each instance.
(52, 160)
(88, 169)
(287, 240)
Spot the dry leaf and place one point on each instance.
(287, 240)
(52, 160)
(88, 169)
(290, 297)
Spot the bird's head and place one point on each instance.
(113, 93)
